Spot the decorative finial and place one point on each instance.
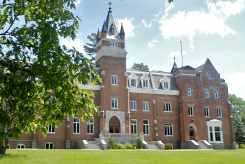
(110, 4)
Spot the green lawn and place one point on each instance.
(123, 157)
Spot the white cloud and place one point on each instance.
(235, 83)
(128, 25)
(77, 2)
(152, 43)
(212, 21)
(69, 43)
(187, 24)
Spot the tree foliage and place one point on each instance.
(140, 67)
(90, 45)
(40, 79)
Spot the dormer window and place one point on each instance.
(145, 83)
(133, 83)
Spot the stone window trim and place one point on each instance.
(114, 79)
(76, 125)
(90, 127)
(133, 105)
(114, 103)
(146, 106)
(51, 129)
(167, 108)
(215, 131)
(146, 127)
(168, 129)
(133, 82)
(20, 146)
(145, 82)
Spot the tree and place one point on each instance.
(238, 118)
(140, 67)
(40, 79)
(90, 46)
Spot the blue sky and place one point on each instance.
(209, 29)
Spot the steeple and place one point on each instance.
(109, 24)
(122, 33)
(175, 67)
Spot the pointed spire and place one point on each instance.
(98, 35)
(175, 67)
(122, 33)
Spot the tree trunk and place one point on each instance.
(3, 145)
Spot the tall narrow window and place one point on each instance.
(49, 146)
(168, 130)
(146, 106)
(133, 105)
(133, 83)
(114, 79)
(90, 126)
(51, 129)
(114, 103)
(216, 93)
(190, 111)
(206, 93)
(76, 125)
(219, 112)
(211, 134)
(145, 83)
(133, 126)
(206, 111)
(167, 107)
(217, 132)
(189, 92)
(146, 127)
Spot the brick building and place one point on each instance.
(184, 107)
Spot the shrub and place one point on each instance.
(139, 144)
(242, 146)
(168, 146)
(130, 146)
(111, 144)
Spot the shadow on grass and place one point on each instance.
(11, 156)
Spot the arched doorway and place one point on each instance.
(192, 133)
(114, 125)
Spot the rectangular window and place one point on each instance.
(145, 83)
(49, 146)
(51, 129)
(146, 106)
(206, 93)
(133, 83)
(133, 105)
(189, 92)
(190, 111)
(133, 126)
(90, 126)
(114, 79)
(167, 108)
(217, 131)
(206, 111)
(211, 134)
(219, 112)
(146, 127)
(76, 126)
(168, 130)
(21, 146)
(114, 103)
(216, 93)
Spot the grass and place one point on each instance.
(123, 157)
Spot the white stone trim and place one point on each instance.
(91, 87)
(120, 116)
(111, 51)
(154, 91)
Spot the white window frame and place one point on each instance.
(133, 105)
(219, 112)
(189, 92)
(145, 83)
(114, 79)
(168, 129)
(133, 126)
(49, 145)
(167, 107)
(206, 111)
(190, 110)
(146, 127)
(130, 83)
(90, 126)
(76, 125)
(20, 146)
(212, 133)
(146, 106)
(51, 129)
(114, 103)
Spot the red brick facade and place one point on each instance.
(176, 100)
